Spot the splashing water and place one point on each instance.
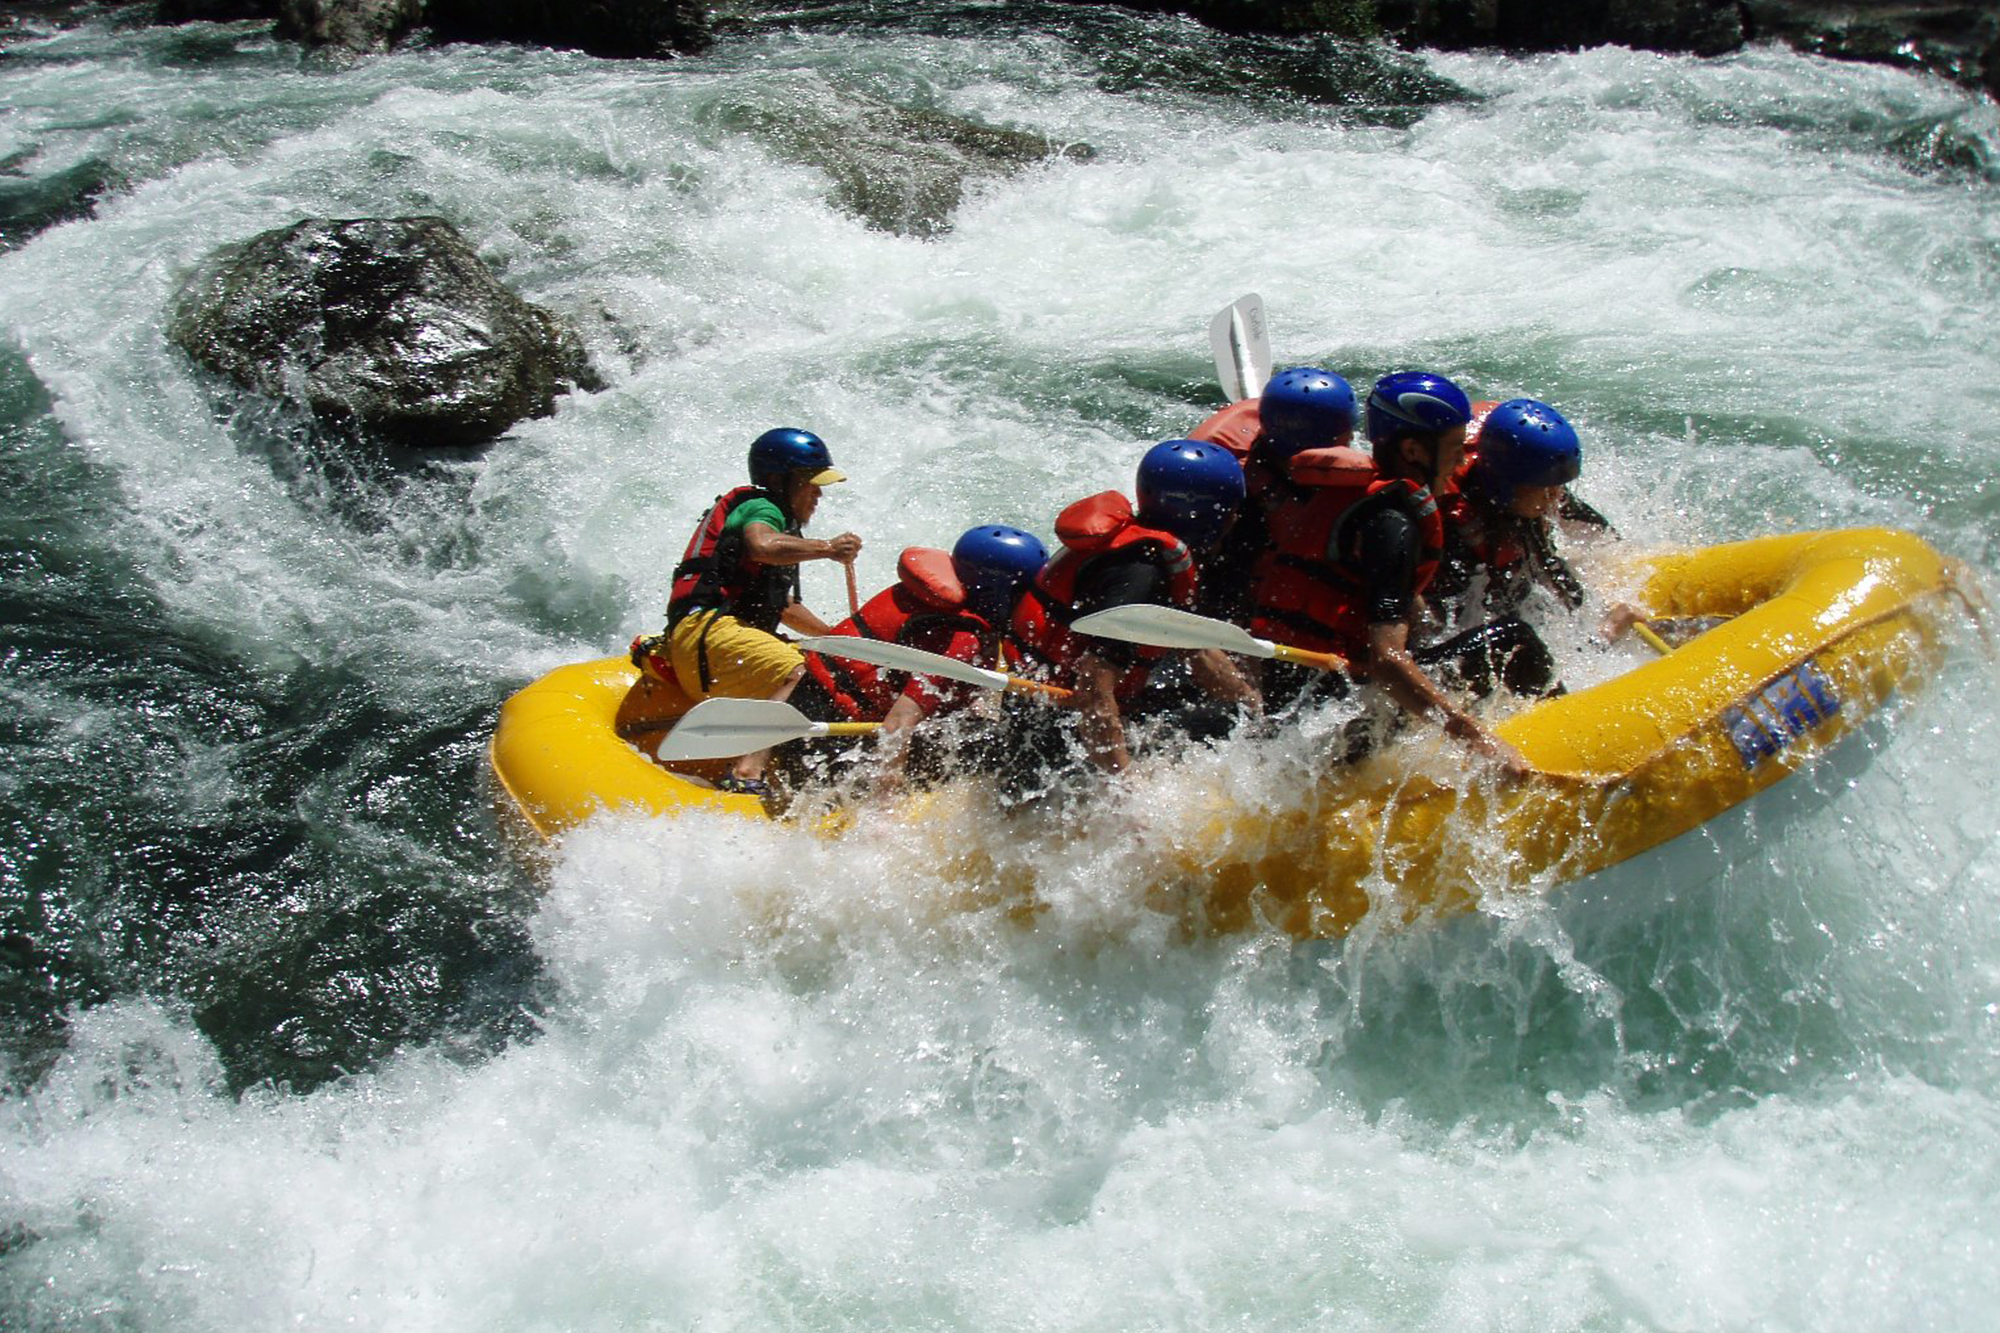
(292, 1040)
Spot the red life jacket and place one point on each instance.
(717, 574)
(1239, 428)
(1089, 529)
(1514, 553)
(1236, 427)
(1471, 541)
(1461, 523)
(927, 596)
(1306, 598)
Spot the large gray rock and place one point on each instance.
(1959, 41)
(349, 25)
(394, 323)
(899, 169)
(1953, 38)
(600, 27)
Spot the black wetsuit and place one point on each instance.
(1383, 548)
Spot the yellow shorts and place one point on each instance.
(743, 663)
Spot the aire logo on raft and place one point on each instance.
(1781, 712)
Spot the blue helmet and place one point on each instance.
(776, 454)
(1524, 443)
(1306, 408)
(995, 563)
(1190, 488)
(1415, 402)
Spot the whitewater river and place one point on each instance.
(293, 1040)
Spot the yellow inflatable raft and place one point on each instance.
(1821, 630)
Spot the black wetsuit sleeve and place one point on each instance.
(1571, 509)
(1123, 578)
(1385, 546)
(1538, 541)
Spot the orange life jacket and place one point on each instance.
(926, 596)
(717, 574)
(1312, 599)
(1511, 551)
(1101, 525)
(1239, 428)
(1236, 427)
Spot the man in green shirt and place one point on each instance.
(737, 582)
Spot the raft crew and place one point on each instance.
(1116, 554)
(956, 604)
(1353, 549)
(736, 583)
(1301, 408)
(1267, 517)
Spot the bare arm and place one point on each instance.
(767, 546)
(1217, 672)
(799, 618)
(1096, 700)
(1391, 666)
(893, 744)
(905, 713)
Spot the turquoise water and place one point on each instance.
(291, 1039)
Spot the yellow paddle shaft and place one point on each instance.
(1022, 685)
(1284, 652)
(1652, 638)
(851, 728)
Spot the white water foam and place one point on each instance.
(786, 1083)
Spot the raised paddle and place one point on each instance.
(1242, 347)
(898, 657)
(725, 728)
(1166, 627)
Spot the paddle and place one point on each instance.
(898, 657)
(1165, 627)
(1242, 347)
(725, 728)
(1651, 637)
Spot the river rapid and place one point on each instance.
(293, 1038)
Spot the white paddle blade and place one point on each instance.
(725, 728)
(1242, 347)
(1167, 627)
(898, 657)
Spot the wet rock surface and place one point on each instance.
(898, 169)
(350, 25)
(1958, 41)
(624, 28)
(32, 203)
(393, 324)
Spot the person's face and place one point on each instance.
(1434, 462)
(801, 496)
(1535, 501)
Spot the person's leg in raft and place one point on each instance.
(656, 699)
(719, 657)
